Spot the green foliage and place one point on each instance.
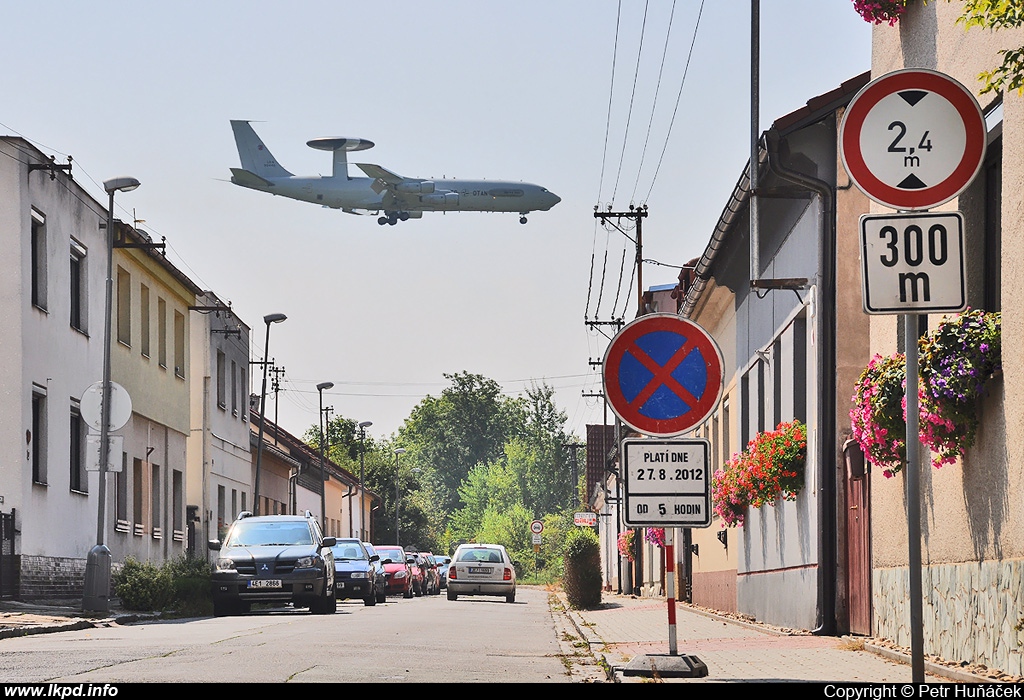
(998, 14)
(582, 578)
(182, 584)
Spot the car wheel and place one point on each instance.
(370, 599)
(511, 597)
(223, 608)
(325, 606)
(407, 593)
(382, 596)
(451, 595)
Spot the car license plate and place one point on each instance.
(479, 569)
(265, 583)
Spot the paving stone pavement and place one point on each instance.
(626, 626)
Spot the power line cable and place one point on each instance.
(632, 96)
(654, 104)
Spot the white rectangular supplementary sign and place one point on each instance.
(666, 483)
(913, 262)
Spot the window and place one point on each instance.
(37, 438)
(155, 495)
(222, 525)
(79, 478)
(221, 380)
(177, 506)
(124, 307)
(138, 501)
(144, 320)
(78, 287)
(38, 253)
(121, 490)
(179, 344)
(234, 388)
(161, 334)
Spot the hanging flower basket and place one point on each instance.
(771, 466)
(880, 11)
(956, 360)
(656, 536)
(625, 543)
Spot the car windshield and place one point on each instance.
(348, 550)
(261, 533)
(394, 555)
(482, 554)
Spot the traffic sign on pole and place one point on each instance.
(666, 483)
(913, 139)
(663, 375)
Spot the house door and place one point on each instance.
(858, 539)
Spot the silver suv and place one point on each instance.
(273, 559)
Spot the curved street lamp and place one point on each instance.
(321, 387)
(397, 451)
(362, 459)
(97, 583)
(268, 319)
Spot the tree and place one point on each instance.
(998, 14)
(466, 426)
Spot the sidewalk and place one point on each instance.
(18, 618)
(626, 627)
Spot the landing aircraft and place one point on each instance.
(383, 192)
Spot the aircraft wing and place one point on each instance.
(248, 179)
(379, 173)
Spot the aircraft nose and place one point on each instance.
(553, 199)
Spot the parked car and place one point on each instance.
(397, 569)
(419, 580)
(481, 569)
(380, 577)
(273, 559)
(432, 580)
(443, 562)
(354, 575)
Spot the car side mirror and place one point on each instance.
(375, 557)
(329, 542)
(387, 561)
(213, 544)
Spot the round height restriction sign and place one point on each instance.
(662, 374)
(913, 139)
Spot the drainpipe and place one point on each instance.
(826, 361)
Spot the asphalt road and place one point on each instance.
(424, 639)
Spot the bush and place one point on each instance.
(182, 584)
(582, 578)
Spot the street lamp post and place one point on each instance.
(362, 460)
(268, 319)
(97, 570)
(398, 451)
(321, 387)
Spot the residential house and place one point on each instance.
(780, 295)
(220, 463)
(52, 308)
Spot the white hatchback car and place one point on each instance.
(481, 569)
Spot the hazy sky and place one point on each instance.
(518, 90)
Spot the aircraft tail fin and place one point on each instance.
(254, 155)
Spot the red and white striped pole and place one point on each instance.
(670, 575)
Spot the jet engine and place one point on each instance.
(424, 187)
(441, 200)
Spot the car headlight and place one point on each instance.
(401, 574)
(308, 562)
(358, 574)
(225, 564)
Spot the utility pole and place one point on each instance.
(574, 447)
(637, 214)
(275, 385)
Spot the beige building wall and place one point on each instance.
(972, 522)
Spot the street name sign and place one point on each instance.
(913, 139)
(662, 375)
(913, 263)
(666, 483)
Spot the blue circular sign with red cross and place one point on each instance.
(663, 375)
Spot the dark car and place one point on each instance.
(398, 571)
(273, 559)
(354, 575)
(431, 576)
(380, 577)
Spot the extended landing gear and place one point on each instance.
(522, 219)
(393, 217)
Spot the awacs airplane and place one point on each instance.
(397, 198)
